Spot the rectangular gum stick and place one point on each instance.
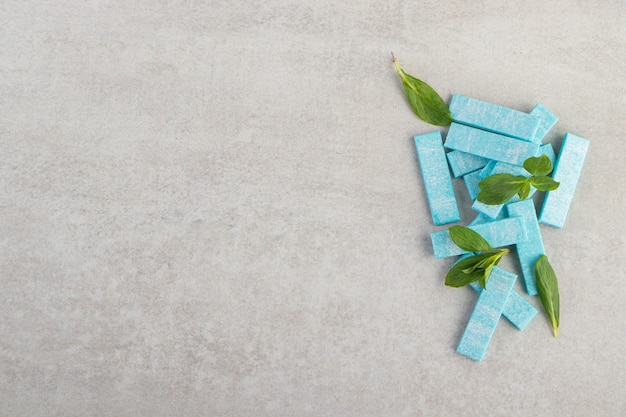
(495, 118)
(483, 218)
(517, 309)
(489, 145)
(498, 233)
(566, 171)
(486, 171)
(471, 183)
(548, 120)
(437, 180)
(462, 163)
(486, 314)
(530, 250)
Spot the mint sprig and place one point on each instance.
(477, 267)
(423, 99)
(548, 290)
(500, 188)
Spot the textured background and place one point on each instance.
(215, 209)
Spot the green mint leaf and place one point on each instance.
(423, 99)
(474, 268)
(524, 191)
(464, 271)
(538, 165)
(544, 183)
(467, 239)
(548, 290)
(499, 188)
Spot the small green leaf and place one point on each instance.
(467, 239)
(464, 271)
(544, 183)
(499, 188)
(537, 166)
(474, 268)
(456, 278)
(423, 99)
(548, 290)
(524, 191)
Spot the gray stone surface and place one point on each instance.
(214, 209)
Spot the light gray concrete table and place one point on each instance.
(214, 209)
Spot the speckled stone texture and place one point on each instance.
(215, 209)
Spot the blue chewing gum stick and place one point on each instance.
(498, 233)
(494, 118)
(489, 145)
(437, 181)
(548, 151)
(517, 309)
(483, 218)
(492, 211)
(471, 183)
(462, 163)
(566, 171)
(530, 250)
(548, 120)
(486, 171)
(486, 314)
(496, 167)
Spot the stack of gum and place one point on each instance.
(486, 139)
